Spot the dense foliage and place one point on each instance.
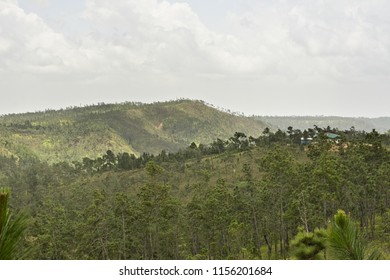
(266, 197)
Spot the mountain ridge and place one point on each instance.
(74, 133)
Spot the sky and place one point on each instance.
(257, 57)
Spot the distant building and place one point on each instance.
(328, 135)
(306, 141)
(332, 136)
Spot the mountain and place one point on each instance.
(381, 124)
(74, 133)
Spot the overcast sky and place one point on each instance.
(262, 57)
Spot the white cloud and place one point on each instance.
(28, 44)
(159, 46)
(166, 37)
(42, 3)
(136, 36)
(329, 38)
(287, 39)
(331, 29)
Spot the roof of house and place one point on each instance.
(331, 135)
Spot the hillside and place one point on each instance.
(381, 124)
(74, 133)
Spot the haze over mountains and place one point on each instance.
(381, 124)
(74, 133)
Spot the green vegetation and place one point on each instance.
(309, 245)
(265, 196)
(11, 229)
(346, 242)
(71, 134)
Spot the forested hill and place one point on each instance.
(74, 133)
(381, 124)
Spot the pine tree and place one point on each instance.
(346, 242)
(11, 228)
(309, 245)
